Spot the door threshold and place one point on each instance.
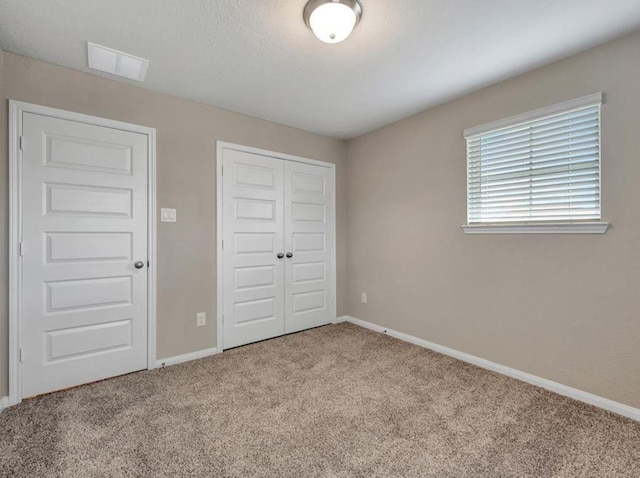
(33, 397)
(277, 337)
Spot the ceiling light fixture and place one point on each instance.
(332, 21)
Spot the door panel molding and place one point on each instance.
(16, 111)
(310, 184)
(308, 207)
(253, 204)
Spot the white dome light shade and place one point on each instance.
(332, 21)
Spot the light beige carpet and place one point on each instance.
(337, 401)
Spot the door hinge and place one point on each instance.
(20, 355)
(21, 145)
(222, 319)
(223, 244)
(21, 249)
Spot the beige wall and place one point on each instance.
(186, 136)
(566, 308)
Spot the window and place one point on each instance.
(538, 172)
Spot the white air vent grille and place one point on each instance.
(116, 62)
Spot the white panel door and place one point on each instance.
(308, 218)
(84, 225)
(253, 238)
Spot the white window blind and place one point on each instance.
(545, 168)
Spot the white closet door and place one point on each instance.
(84, 225)
(253, 224)
(308, 240)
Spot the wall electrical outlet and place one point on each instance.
(201, 319)
(364, 298)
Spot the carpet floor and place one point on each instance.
(338, 401)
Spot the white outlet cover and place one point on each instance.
(201, 319)
(168, 215)
(364, 298)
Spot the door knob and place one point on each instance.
(289, 255)
(139, 265)
(280, 255)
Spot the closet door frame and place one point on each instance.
(221, 146)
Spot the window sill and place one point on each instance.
(566, 228)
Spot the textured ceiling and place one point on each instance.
(257, 56)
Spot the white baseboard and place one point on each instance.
(166, 362)
(591, 399)
(4, 403)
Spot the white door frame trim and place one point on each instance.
(16, 109)
(221, 145)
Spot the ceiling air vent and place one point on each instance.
(116, 62)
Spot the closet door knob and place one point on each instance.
(289, 255)
(280, 255)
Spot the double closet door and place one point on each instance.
(278, 218)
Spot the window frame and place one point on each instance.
(588, 226)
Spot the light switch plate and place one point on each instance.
(168, 215)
